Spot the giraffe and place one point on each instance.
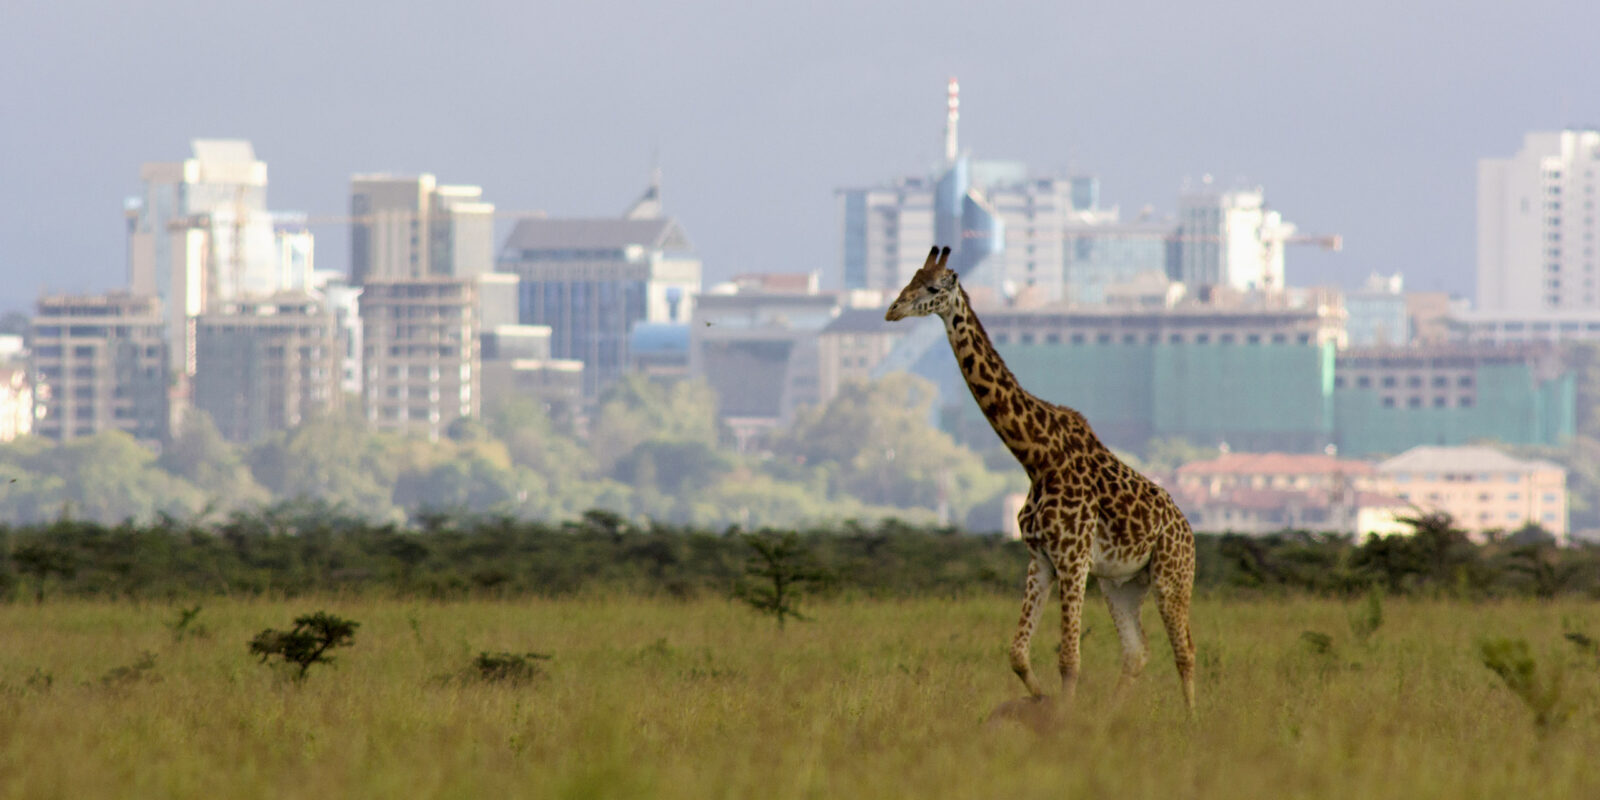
(1087, 513)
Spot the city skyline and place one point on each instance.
(1359, 119)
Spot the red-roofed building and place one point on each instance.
(1262, 493)
(1282, 471)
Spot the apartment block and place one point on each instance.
(1482, 488)
(420, 353)
(99, 363)
(1536, 225)
(267, 365)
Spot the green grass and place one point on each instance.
(707, 699)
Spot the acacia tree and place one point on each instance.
(779, 566)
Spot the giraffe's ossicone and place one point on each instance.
(1087, 513)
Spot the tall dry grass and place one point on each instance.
(707, 699)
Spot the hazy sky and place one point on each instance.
(1360, 117)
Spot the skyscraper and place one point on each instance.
(200, 234)
(1536, 225)
(412, 227)
(592, 280)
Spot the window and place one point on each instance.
(1364, 382)
(1413, 402)
(1388, 381)
(1464, 401)
(1388, 402)
(1440, 381)
(1415, 381)
(1440, 402)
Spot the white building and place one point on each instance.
(1536, 225)
(1230, 239)
(200, 235)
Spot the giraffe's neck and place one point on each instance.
(1017, 416)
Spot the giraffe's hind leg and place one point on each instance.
(1173, 576)
(1123, 601)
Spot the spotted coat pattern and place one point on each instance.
(1087, 513)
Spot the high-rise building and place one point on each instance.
(592, 280)
(888, 229)
(99, 362)
(200, 234)
(420, 353)
(1536, 225)
(267, 365)
(412, 227)
(1229, 239)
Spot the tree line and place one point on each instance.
(309, 547)
(646, 450)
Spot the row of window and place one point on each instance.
(1412, 381)
(1103, 337)
(1464, 401)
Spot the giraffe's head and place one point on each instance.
(933, 290)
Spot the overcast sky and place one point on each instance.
(1360, 117)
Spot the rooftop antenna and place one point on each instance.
(951, 117)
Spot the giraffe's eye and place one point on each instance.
(933, 290)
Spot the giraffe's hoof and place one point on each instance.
(1037, 713)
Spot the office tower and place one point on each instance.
(592, 280)
(412, 227)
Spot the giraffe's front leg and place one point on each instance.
(1073, 572)
(1040, 574)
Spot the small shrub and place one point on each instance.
(1539, 690)
(514, 668)
(1369, 618)
(40, 681)
(140, 671)
(1319, 643)
(307, 643)
(184, 626)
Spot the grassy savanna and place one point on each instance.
(707, 699)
